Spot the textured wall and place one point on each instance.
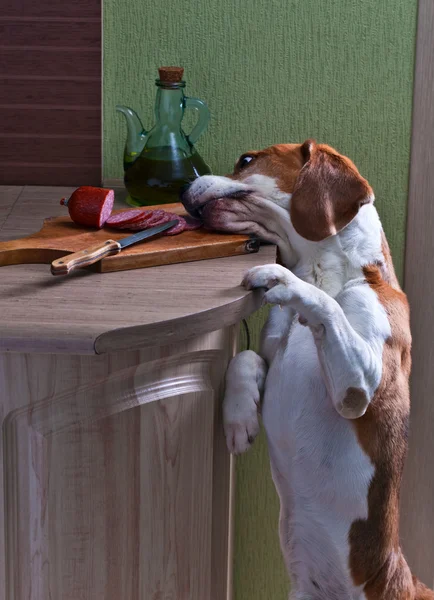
(273, 71)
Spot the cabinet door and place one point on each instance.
(120, 488)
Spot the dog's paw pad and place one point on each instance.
(241, 435)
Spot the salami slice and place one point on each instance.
(164, 219)
(138, 226)
(90, 206)
(156, 216)
(144, 222)
(126, 225)
(142, 219)
(191, 223)
(178, 228)
(126, 216)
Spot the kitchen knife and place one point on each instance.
(91, 255)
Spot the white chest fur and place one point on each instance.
(320, 471)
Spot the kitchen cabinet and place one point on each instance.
(117, 481)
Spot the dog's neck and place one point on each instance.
(337, 260)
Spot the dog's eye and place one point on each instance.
(244, 161)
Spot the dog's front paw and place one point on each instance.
(282, 286)
(266, 276)
(241, 425)
(354, 404)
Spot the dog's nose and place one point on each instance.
(186, 201)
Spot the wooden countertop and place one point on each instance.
(88, 313)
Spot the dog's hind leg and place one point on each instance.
(275, 330)
(245, 379)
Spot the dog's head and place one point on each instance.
(309, 189)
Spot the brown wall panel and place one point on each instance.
(50, 62)
(64, 34)
(59, 93)
(86, 121)
(50, 92)
(40, 9)
(51, 150)
(59, 175)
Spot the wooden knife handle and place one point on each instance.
(84, 258)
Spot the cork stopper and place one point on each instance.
(171, 74)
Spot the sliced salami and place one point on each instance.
(90, 206)
(126, 225)
(191, 223)
(141, 219)
(126, 216)
(148, 221)
(164, 219)
(137, 226)
(156, 216)
(178, 228)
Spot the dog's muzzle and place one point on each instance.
(195, 202)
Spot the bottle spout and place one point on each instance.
(136, 135)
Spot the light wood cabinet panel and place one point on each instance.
(117, 480)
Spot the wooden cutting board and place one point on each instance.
(59, 236)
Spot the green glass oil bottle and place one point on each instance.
(157, 163)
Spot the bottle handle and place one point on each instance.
(204, 117)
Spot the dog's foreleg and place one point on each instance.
(245, 380)
(350, 352)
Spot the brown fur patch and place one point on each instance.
(392, 582)
(387, 269)
(282, 162)
(376, 556)
(422, 592)
(328, 193)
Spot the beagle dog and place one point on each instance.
(331, 377)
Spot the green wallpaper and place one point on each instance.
(273, 71)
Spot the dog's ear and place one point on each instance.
(328, 193)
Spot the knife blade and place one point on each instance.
(91, 255)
